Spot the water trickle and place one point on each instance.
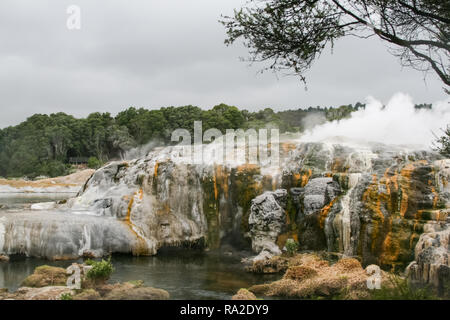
(347, 240)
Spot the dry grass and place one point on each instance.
(300, 273)
(308, 276)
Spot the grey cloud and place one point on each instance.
(157, 53)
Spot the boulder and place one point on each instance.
(318, 193)
(88, 294)
(44, 276)
(43, 206)
(130, 291)
(269, 265)
(267, 221)
(45, 293)
(244, 294)
(432, 260)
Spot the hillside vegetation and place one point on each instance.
(43, 144)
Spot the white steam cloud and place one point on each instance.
(140, 151)
(397, 123)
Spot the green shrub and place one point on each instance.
(66, 296)
(94, 163)
(291, 246)
(89, 262)
(101, 270)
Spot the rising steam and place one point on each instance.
(396, 123)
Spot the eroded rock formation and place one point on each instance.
(267, 221)
(372, 201)
(432, 256)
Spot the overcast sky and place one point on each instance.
(154, 53)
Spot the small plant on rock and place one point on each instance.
(66, 296)
(291, 246)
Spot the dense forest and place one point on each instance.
(43, 144)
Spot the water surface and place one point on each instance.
(188, 275)
(185, 274)
(21, 200)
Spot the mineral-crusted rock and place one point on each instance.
(318, 193)
(44, 293)
(368, 200)
(63, 236)
(432, 259)
(267, 221)
(43, 206)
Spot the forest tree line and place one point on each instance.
(43, 144)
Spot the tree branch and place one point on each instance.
(423, 13)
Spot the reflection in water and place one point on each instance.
(12, 273)
(188, 275)
(19, 200)
(184, 274)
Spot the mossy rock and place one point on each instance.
(137, 283)
(260, 289)
(45, 276)
(89, 294)
(275, 264)
(348, 264)
(129, 291)
(244, 294)
(300, 273)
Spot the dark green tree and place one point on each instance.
(442, 144)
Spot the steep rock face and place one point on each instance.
(432, 251)
(387, 197)
(318, 193)
(371, 201)
(432, 254)
(62, 236)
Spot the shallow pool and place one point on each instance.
(184, 274)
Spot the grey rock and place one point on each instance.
(267, 221)
(432, 260)
(319, 192)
